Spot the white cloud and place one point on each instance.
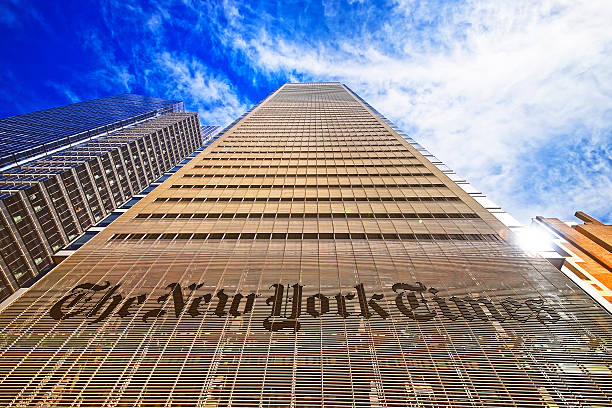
(500, 91)
(111, 73)
(193, 82)
(66, 91)
(231, 12)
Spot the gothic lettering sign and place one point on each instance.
(285, 307)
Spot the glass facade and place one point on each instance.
(310, 256)
(36, 133)
(209, 135)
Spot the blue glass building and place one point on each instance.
(38, 133)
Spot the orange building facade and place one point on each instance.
(311, 256)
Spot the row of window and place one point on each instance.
(388, 185)
(302, 236)
(316, 157)
(341, 130)
(307, 215)
(293, 140)
(326, 150)
(290, 166)
(298, 199)
(322, 175)
(313, 115)
(311, 144)
(300, 138)
(312, 118)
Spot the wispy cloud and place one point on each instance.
(66, 91)
(112, 73)
(189, 80)
(16, 14)
(153, 48)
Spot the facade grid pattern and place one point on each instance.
(188, 300)
(40, 132)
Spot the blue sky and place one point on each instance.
(516, 96)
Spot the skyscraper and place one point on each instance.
(77, 164)
(209, 135)
(583, 252)
(42, 132)
(310, 256)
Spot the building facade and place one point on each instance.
(50, 200)
(310, 256)
(583, 252)
(23, 137)
(209, 135)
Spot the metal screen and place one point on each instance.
(310, 257)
